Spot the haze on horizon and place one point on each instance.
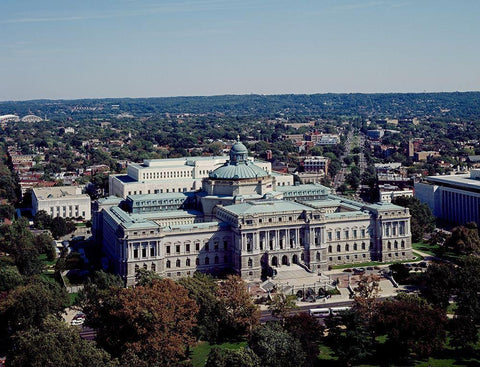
(144, 48)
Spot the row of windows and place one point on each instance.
(347, 247)
(188, 262)
(346, 234)
(206, 247)
(270, 220)
(150, 175)
(395, 244)
(160, 191)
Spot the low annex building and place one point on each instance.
(61, 201)
(241, 221)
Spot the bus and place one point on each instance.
(319, 312)
(336, 310)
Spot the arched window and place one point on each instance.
(145, 267)
(395, 244)
(154, 267)
(355, 247)
(207, 261)
(216, 260)
(347, 247)
(250, 262)
(363, 245)
(389, 245)
(339, 248)
(168, 264)
(177, 264)
(187, 262)
(330, 249)
(318, 256)
(403, 244)
(197, 261)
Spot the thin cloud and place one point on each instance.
(359, 5)
(174, 7)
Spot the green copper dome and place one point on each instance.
(242, 170)
(238, 167)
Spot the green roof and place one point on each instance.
(238, 171)
(265, 207)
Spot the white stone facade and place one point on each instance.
(61, 201)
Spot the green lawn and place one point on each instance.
(436, 250)
(202, 349)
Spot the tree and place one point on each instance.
(28, 305)
(242, 357)
(45, 245)
(212, 315)
(60, 227)
(10, 278)
(349, 336)
(276, 347)
(463, 333)
(7, 211)
(438, 284)
(308, 331)
(241, 313)
(422, 220)
(150, 323)
(400, 272)
(42, 220)
(411, 326)
(464, 239)
(18, 241)
(146, 277)
(366, 296)
(281, 305)
(53, 343)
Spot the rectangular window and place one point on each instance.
(144, 252)
(329, 236)
(168, 249)
(338, 235)
(354, 233)
(135, 253)
(152, 251)
(187, 247)
(177, 249)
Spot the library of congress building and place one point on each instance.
(243, 218)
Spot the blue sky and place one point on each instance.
(144, 48)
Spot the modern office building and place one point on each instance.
(61, 201)
(241, 221)
(173, 175)
(453, 198)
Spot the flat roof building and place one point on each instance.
(454, 198)
(61, 201)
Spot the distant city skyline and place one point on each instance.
(144, 48)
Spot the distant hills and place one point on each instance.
(463, 105)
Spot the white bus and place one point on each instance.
(336, 310)
(319, 312)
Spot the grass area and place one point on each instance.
(375, 263)
(326, 354)
(43, 257)
(202, 349)
(73, 298)
(49, 277)
(435, 250)
(452, 308)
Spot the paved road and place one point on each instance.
(340, 176)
